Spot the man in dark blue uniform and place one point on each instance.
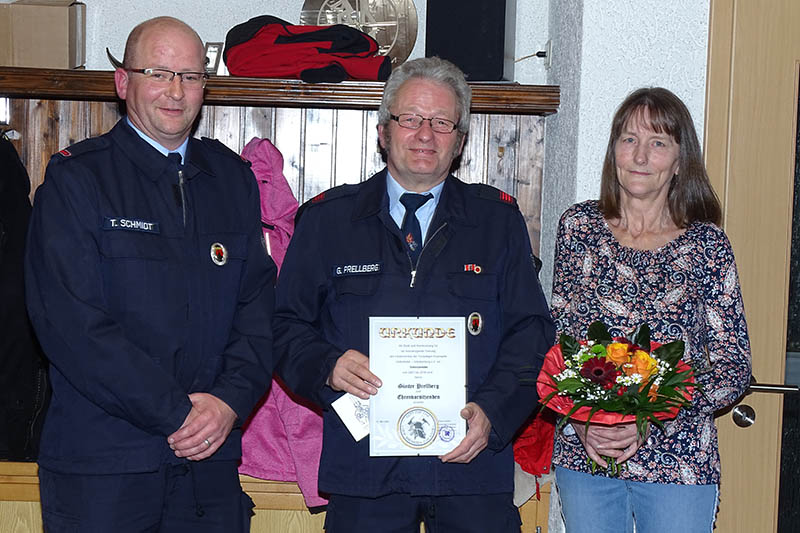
(415, 241)
(150, 290)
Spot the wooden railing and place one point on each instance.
(499, 98)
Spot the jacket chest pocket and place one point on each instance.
(352, 300)
(473, 287)
(476, 297)
(137, 276)
(222, 259)
(353, 289)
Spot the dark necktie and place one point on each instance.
(175, 159)
(412, 233)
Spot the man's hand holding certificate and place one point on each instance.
(422, 364)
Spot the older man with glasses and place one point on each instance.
(414, 241)
(152, 295)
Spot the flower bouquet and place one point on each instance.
(609, 380)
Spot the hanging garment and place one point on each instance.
(282, 440)
(268, 47)
(24, 387)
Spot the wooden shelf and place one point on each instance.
(98, 85)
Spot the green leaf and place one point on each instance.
(570, 385)
(598, 332)
(641, 337)
(654, 419)
(670, 352)
(569, 346)
(573, 410)
(641, 424)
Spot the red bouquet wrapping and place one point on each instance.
(609, 380)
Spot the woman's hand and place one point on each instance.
(618, 442)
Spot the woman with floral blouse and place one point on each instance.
(651, 250)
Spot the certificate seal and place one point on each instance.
(417, 427)
(446, 433)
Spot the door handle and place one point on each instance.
(775, 389)
(755, 386)
(745, 416)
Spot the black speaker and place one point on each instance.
(470, 33)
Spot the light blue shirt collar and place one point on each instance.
(181, 149)
(397, 210)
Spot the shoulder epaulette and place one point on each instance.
(84, 147)
(482, 190)
(218, 146)
(340, 191)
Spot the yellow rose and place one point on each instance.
(617, 353)
(642, 364)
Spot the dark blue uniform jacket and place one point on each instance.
(129, 306)
(321, 313)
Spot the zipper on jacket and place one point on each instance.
(183, 195)
(39, 398)
(413, 266)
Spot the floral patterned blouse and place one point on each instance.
(687, 289)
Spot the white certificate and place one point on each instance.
(422, 362)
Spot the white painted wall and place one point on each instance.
(604, 49)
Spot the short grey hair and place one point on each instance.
(434, 69)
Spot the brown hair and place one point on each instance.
(690, 198)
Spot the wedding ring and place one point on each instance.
(208, 443)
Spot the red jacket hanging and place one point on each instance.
(268, 47)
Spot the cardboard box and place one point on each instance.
(43, 34)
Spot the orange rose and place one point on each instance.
(642, 364)
(652, 393)
(617, 353)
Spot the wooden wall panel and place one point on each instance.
(501, 153)
(39, 118)
(373, 161)
(473, 155)
(258, 122)
(530, 163)
(289, 138)
(321, 147)
(102, 117)
(349, 147)
(318, 153)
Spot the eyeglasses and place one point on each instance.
(164, 76)
(414, 122)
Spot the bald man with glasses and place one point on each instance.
(151, 292)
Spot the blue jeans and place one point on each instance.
(599, 504)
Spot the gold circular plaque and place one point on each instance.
(393, 23)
